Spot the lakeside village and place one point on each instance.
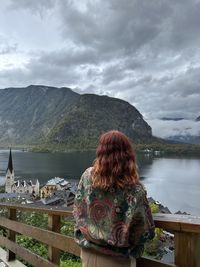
(60, 192)
(56, 192)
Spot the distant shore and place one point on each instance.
(151, 148)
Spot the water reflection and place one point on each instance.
(175, 183)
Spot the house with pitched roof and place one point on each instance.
(53, 185)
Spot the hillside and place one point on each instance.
(27, 115)
(38, 115)
(91, 115)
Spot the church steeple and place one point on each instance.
(10, 163)
(9, 181)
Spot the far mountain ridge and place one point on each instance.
(178, 119)
(41, 114)
(171, 119)
(188, 139)
(198, 119)
(184, 138)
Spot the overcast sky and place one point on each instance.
(144, 51)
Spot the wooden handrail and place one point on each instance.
(186, 230)
(34, 208)
(176, 222)
(187, 223)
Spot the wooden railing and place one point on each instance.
(186, 231)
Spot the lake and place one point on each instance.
(175, 182)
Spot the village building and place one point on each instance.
(53, 185)
(17, 186)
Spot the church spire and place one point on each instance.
(10, 163)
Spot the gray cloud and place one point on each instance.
(7, 46)
(74, 57)
(146, 52)
(38, 7)
(7, 49)
(113, 25)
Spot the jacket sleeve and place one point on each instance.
(79, 208)
(142, 224)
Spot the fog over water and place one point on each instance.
(175, 182)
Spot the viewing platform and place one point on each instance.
(186, 230)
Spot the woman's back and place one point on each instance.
(113, 221)
(111, 210)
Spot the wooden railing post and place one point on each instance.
(197, 250)
(187, 249)
(11, 234)
(54, 225)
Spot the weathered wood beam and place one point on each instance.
(148, 262)
(50, 238)
(11, 234)
(54, 226)
(174, 222)
(41, 209)
(187, 249)
(26, 254)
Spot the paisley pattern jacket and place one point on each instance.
(114, 222)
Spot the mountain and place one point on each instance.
(27, 115)
(92, 114)
(198, 119)
(186, 139)
(171, 119)
(188, 131)
(38, 115)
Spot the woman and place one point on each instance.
(112, 214)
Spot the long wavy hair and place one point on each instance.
(115, 163)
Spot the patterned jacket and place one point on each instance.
(114, 222)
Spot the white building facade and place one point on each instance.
(12, 186)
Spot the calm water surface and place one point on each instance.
(175, 182)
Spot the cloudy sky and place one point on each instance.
(145, 52)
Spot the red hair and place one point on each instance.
(115, 163)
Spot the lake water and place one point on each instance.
(175, 182)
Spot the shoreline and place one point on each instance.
(152, 149)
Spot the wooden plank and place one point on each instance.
(26, 254)
(194, 228)
(56, 240)
(11, 234)
(176, 222)
(197, 250)
(187, 248)
(14, 263)
(148, 262)
(54, 225)
(65, 211)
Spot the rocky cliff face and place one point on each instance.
(92, 115)
(27, 115)
(40, 114)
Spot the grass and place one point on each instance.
(70, 263)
